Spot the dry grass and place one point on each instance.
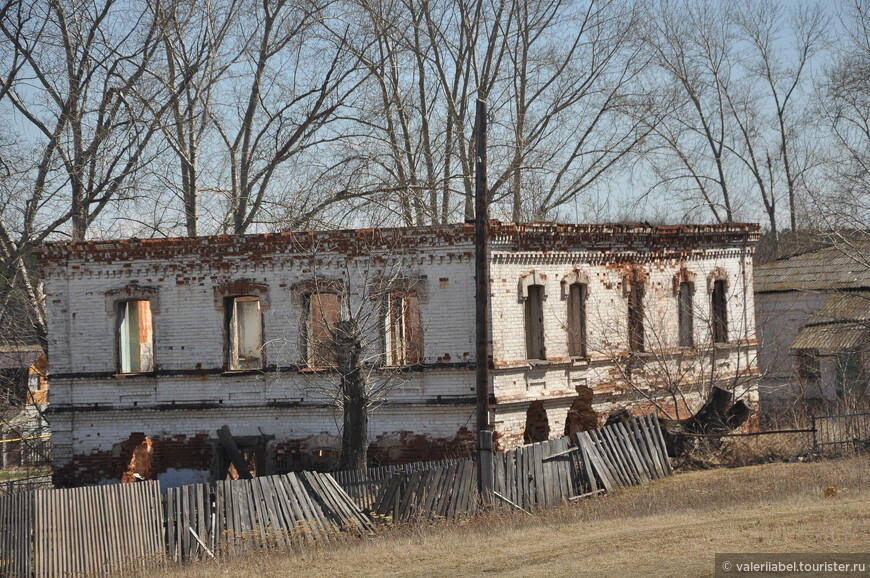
(669, 528)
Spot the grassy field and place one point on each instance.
(669, 528)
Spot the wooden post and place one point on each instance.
(482, 290)
(233, 453)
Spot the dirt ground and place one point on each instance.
(669, 528)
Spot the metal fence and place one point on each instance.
(838, 429)
(843, 433)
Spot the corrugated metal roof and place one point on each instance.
(842, 322)
(844, 266)
(832, 336)
(852, 306)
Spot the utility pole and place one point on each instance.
(482, 290)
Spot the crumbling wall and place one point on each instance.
(189, 394)
(664, 377)
(177, 446)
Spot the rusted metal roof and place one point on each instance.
(841, 323)
(844, 266)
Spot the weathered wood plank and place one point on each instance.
(615, 455)
(660, 441)
(596, 462)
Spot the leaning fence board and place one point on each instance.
(641, 468)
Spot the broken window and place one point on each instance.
(535, 323)
(577, 319)
(245, 331)
(135, 337)
(808, 367)
(719, 306)
(686, 314)
(323, 311)
(635, 318)
(402, 328)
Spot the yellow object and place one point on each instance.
(25, 439)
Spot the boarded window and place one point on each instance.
(402, 336)
(807, 365)
(535, 323)
(686, 314)
(577, 320)
(135, 337)
(719, 308)
(245, 331)
(635, 318)
(323, 311)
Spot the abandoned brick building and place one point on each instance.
(156, 344)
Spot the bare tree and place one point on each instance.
(296, 75)
(846, 109)
(737, 127)
(194, 39)
(359, 333)
(75, 78)
(575, 108)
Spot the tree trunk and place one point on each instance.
(354, 437)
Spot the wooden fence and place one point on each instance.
(94, 530)
(446, 491)
(366, 486)
(624, 454)
(537, 475)
(534, 476)
(282, 512)
(105, 530)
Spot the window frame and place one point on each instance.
(311, 356)
(808, 366)
(685, 314)
(849, 378)
(635, 314)
(233, 359)
(125, 361)
(720, 332)
(408, 324)
(578, 327)
(535, 328)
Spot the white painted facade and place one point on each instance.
(429, 412)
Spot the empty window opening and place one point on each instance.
(686, 314)
(402, 328)
(577, 320)
(245, 331)
(635, 318)
(581, 416)
(808, 366)
(720, 313)
(537, 426)
(323, 311)
(135, 337)
(535, 323)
